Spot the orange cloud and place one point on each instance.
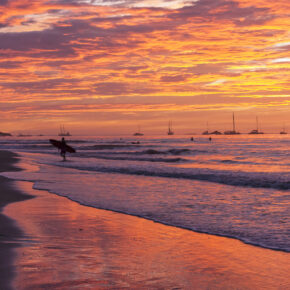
(71, 51)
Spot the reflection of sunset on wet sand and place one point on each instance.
(71, 246)
(155, 135)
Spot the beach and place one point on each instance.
(51, 242)
(144, 144)
(9, 232)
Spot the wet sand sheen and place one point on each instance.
(70, 246)
(9, 232)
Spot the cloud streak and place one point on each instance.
(109, 50)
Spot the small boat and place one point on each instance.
(256, 131)
(232, 132)
(216, 133)
(170, 132)
(283, 131)
(207, 131)
(63, 132)
(138, 133)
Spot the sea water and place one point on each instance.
(235, 186)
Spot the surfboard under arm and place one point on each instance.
(59, 145)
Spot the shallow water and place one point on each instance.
(69, 246)
(235, 186)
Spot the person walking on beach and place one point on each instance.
(63, 149)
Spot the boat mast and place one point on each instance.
(169, 127)
(234, 125)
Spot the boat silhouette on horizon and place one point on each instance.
(256, 131)
(283, 130)
(63, 132)
(170, 131)
(232, 132)
(138, 133)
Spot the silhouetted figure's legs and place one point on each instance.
(62, 154)
(63, 149)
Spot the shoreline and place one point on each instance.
(104, 249)
(171, 225)
(9, 231)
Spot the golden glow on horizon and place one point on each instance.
(77, 57)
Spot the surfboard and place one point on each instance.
(59, 145)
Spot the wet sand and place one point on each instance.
(69, 246)
(9, 232)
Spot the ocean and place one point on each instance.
(233, 186)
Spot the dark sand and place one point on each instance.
(70, 246)
(9, 233)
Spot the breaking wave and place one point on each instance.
(275, 180)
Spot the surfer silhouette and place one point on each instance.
(63, 148)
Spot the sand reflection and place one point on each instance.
(69, 246)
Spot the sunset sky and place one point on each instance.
(107, 66)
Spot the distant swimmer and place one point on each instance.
(209, 138)
(191, 139)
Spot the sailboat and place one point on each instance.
(216, 132)
(138, 133)
(256, 131)
(170, 132)
(232, 132)
(63, 132)
(283, 131)
(207, 131)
